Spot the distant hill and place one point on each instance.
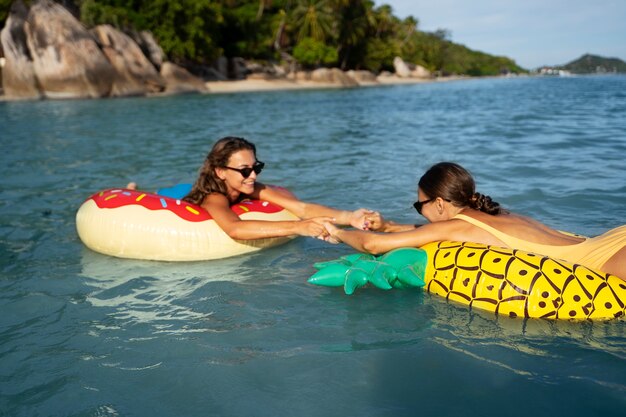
(594, 64)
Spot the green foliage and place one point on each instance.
(460, 60)
(436, 53)
(248, 30)
(354, 24)
(94, 13)
(313, 53)
(314, 18)
(354, 34)
(379, 54)
(187, 30)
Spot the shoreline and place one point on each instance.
(282, 84)
(252, 85)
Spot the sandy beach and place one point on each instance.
(257, 85)
(251, 85)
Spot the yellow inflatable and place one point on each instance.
(505, 281)
(135, 224)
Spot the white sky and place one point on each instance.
(531, 32)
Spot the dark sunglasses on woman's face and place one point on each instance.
(419, 204)
(245, 172)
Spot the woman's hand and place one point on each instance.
(365, 219)
(314, 227)
(330, 234)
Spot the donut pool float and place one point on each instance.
(141, 225)
(505, 281)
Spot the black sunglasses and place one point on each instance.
(419, 204)
(245, 172)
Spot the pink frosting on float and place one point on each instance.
(120, 197)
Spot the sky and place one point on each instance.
(534, 33)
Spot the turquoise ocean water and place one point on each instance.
(83, 334)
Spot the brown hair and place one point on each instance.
(208, 182)
(455, 184)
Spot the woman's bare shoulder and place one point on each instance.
(215, 199)
(274, 194)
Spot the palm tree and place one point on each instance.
(384, 19)
(314, 18)
(354, 22)
(409, 26)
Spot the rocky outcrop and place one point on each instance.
(18, 74)
(66, 58)
(299, 76)
(50, 54)
(264, 71)
(332, 76)
(335, 76)
(420, 72)
(363, 77)
(407, 70)
(150, 47)
(178, 80)
(401, 68)
(134, 73)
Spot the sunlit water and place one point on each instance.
(83, 334)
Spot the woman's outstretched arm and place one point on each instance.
(376, 243)
(219, 208)
(360, 219)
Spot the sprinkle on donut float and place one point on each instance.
(140, 225)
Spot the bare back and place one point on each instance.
(606, 252)
(517, 227)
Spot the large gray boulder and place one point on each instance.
(134, 73)
(178, 80)
(401, 68)
(420, 72)
(18, 74)
(333, 76)
(50, 54)
(150, 47)
(363, 77)
(221, 66)
(67, 61)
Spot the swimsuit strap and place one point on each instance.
(507, 239)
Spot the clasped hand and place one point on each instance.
(362, 219)
(365, 219)
(323, 227)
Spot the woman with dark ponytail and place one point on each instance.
(447, 198)
(455, 184)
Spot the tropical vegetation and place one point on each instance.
(349, 34)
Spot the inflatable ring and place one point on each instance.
(505, 281)
(140, 225)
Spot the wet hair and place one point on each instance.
(208, 182)
(455, 184)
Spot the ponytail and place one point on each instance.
(485, 204)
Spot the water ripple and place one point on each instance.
(87, 334)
